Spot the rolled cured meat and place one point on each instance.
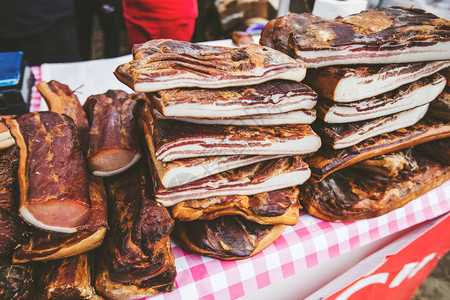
(328, 160)
(280, 207)
(274, 97)
(377, 36)
(16, 280)
(344, 135)
(12, 228)
(52, 172)
(350, 194)
(113, 145)
(408, 96)
(249, 180)
(168, 64)
(226, 238)
(44, 245)
(353, 83)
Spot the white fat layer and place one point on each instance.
(293, 74)
(353, 54)
(292, 117)
(353, 88)
(306, 144)
(182, 175)
(360, 111)
(275, 183)
(377, 127)
(211, 111)
(117, 171)
(27, 216)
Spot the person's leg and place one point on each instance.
(84, 18)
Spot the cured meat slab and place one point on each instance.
(168, 64)
(292, 117)
(226, 238)
(46, 245)
(350, 194)
(353, 83)
(179, 140)
(16, 280)
(405, 97)
(275, 33)
(328, 160)
(280, 207)
(344, 135)
(378, 36)
(113, 145)
(439, 150)
(272, 97)
(6, 140)
(249, 180)
(52, 172)
(183, 171)
(12, 228)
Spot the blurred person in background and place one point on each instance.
(43, 29)
(109, 13)
(155, 19)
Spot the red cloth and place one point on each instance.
(154, 19)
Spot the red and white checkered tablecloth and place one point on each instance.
(310, 242)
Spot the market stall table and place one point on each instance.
(310, 243)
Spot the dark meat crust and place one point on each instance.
(68, 278)
(270, 208)
(139, 228)
(52, 171)
(44, 245)
(438, 150)
(327, 160)
(440, 107)
(350, 194)
(226, 238)
(12, 228)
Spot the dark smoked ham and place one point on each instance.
(226, 238)
(327, 160)
(378, 36)
(47, 245)
(12, 227)
(16, 281)
(350, 194)
(52, 173)
(113, 145)
(280, 207)
(167, 64)
(272, 97)
(137, 247)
